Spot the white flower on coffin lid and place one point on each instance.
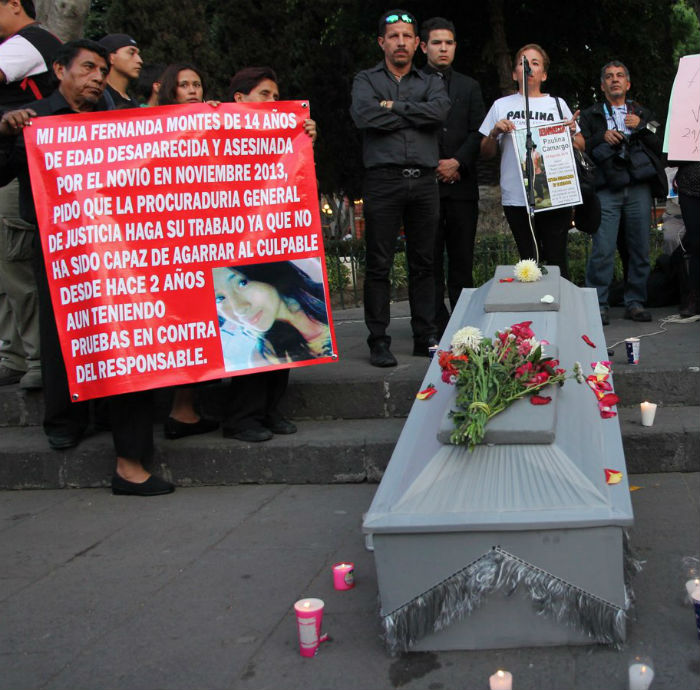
(527, 271)
(465, 339)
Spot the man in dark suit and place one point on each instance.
(456, 171)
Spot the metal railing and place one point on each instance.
(345, 262)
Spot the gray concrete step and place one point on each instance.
(334, 392)
(668, 373)
(322, 452)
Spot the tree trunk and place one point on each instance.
(500, 48)
(65, 18)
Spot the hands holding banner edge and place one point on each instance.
(14, 121)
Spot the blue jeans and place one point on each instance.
(632, 206)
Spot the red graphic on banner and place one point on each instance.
(182, 243)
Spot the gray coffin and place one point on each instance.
(531, 504)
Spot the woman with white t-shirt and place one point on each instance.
(507, 114)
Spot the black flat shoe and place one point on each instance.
(174, 429)
(153, 486)
(280, 425)
(254, 434)
(63, 441)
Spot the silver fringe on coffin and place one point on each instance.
(460, 594)
(631, 566)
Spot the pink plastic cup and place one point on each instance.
(309, 616)
(344, 575)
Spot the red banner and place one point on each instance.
(182, 243)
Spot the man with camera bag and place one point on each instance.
(621, 138)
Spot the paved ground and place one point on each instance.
(662, 345)
(195, 590)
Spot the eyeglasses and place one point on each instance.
(393, 18)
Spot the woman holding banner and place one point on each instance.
(180, 84)
(252, 413)
(506, 114)
(282, 309)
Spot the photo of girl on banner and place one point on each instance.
(272, 313)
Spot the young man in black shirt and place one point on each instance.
(125, 65)
(460, 141)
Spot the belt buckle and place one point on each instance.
(410, 172)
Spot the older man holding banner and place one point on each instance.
(136, 216)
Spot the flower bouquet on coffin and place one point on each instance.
(490, 375)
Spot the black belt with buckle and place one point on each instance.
(408, 172)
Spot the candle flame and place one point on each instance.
(306, 604)
(644, 669)
(500, 674)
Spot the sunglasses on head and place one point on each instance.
(393, 18)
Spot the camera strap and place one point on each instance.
(611, 113)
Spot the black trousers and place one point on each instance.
(551, 230)
(455, 234)
(390, 201)
(254, 398)
(690, 208)
(130, 414)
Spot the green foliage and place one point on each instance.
(399, 271)
(95, 27)
(317, 46)
(685, 31)
(338, 274)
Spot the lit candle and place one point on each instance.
(501, 680)
(648, 413)
(641, 676)
(309, 616)
(344, 576)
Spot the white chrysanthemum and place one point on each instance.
(467, 338)
(527, 271)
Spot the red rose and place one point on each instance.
(522, 330)
(523, 370)
(538, 379)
